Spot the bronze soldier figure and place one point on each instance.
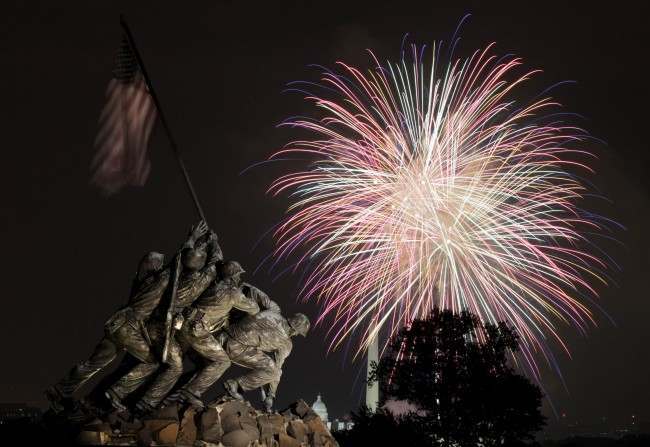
(199, 271)
(138, 375)
(208, 315)
(262, 342)
(124, 331)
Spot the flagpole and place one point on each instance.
(163, 121)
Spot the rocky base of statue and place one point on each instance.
(225, 422)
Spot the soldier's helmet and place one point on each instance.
(300, 324)
(230, 269)
(194, 258)
(150, 263)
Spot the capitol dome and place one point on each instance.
(320, 409)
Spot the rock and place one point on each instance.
(298, 430)
(131, 427)
(316, 425)
(170, 413)
(322, 440)
(287, 441)
(92, 437)
(237, 438)
(319, 435)
(162, 426)
(247, 420)
(116, 418)
(155, 425)
(264, 425)
(187, 432)
(278, 424)
(210, 429)
(168, 434)
(145, 437)
(207, 444)
(230, 423)
(270, 424)
(288, 415)
(98, 426)
(301, 408)
(163, 431)
(315, 440)
(253, 433)
(225, 423)
(236, 407)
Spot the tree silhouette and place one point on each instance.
(454, 370)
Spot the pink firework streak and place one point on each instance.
(426, 190)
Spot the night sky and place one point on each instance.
(69, 253)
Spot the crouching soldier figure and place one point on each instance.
(262, 342)
(129, 329)
(207, 316)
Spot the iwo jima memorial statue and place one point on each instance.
(193, 304)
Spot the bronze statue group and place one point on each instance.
(186, 308)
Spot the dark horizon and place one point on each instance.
(219, 70)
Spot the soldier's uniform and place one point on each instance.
(260, 342)
(190, 287)
(125, 330)
(209, 315)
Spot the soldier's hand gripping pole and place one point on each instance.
(197, 231)
(169, 330)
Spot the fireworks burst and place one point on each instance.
(440, 190)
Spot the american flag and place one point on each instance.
(125, 125)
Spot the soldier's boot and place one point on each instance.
(66, 406)
(142, 408)
(115, 400)
(172, 399)
(232, 387)
(58, 401)
(185, 396)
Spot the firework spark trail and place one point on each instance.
(428, 190)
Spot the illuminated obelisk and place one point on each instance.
(372, 392)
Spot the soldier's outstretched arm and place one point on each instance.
(214, 249)
(246, 304)
(261, 298)
(209, 271)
